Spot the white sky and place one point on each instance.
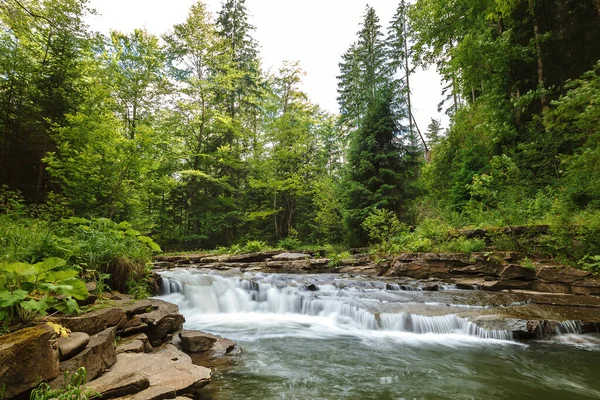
(314, 32)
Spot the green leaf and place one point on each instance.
(8, 299)
(147, 240)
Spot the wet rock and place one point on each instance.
(196, 341)
(311, 288)
(162, 320)
(167, 370)
(290, 257)
(111, 385)
(69, 346)
(222, 347)
(97, 357)
(431, 288)
(27, 357)
(565, 275)
(91, 323)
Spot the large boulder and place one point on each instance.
(27, 357)
(163, 319)
(167, 370)
(92, 323)
(97, 357)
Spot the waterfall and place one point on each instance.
(205, 293)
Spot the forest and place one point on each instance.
(112, 147)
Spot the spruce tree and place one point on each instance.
(380, 160)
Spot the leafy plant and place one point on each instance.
(289, 243)
(591, 263)
(527, 263)
(72, 391)
(253, 246)
(382, 226)
(27, 291)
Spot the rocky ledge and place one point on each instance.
(487, 271)
(131, 351)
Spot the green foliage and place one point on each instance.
(28, 291)
(591, 263)
(73, 389)
(289, 243)
(254, 246)
(527, 263)
(382, 226)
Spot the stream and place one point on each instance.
(331, 336)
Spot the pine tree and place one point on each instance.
(380, 158)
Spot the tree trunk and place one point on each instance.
(538, 51)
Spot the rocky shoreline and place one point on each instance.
(485, 271)
(136, 350)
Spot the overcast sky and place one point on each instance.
(314, 32)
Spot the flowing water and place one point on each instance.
(336, 337)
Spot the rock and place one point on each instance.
(566, 275)
(91, 323)
(196, 341)
(97, 357)
(144, 339)
(69, 346)
(139, 307)
(431, 288)
(222, 347)
(154, 393)
(291, 257)
(164, 319)
(311, 288)
(134, 325)
(114, 385)
(27, 357)
(516, 272)
(131, 346)
(167, 370)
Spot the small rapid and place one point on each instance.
(330, 336)
(341, 306)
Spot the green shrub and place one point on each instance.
(289, 243)
(382, 226)
(28, 291)
(463, 245)
(591, 264)
(253, 246)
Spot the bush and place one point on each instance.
(254, 246)
(289, 243)
(382, 226)
(28, 291)
(72, 391)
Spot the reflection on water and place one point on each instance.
(343, 339)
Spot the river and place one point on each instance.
(338, 337)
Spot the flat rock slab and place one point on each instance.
(154, 393)
(197, 341)
(119, 384)
(167, 370)
(91, 323)
(291, 257)
(69, 346)
(27, 357)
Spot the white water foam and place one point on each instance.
(265, 306)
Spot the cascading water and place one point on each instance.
(340, 337)
(348, 307)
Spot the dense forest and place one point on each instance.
(187, 139)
